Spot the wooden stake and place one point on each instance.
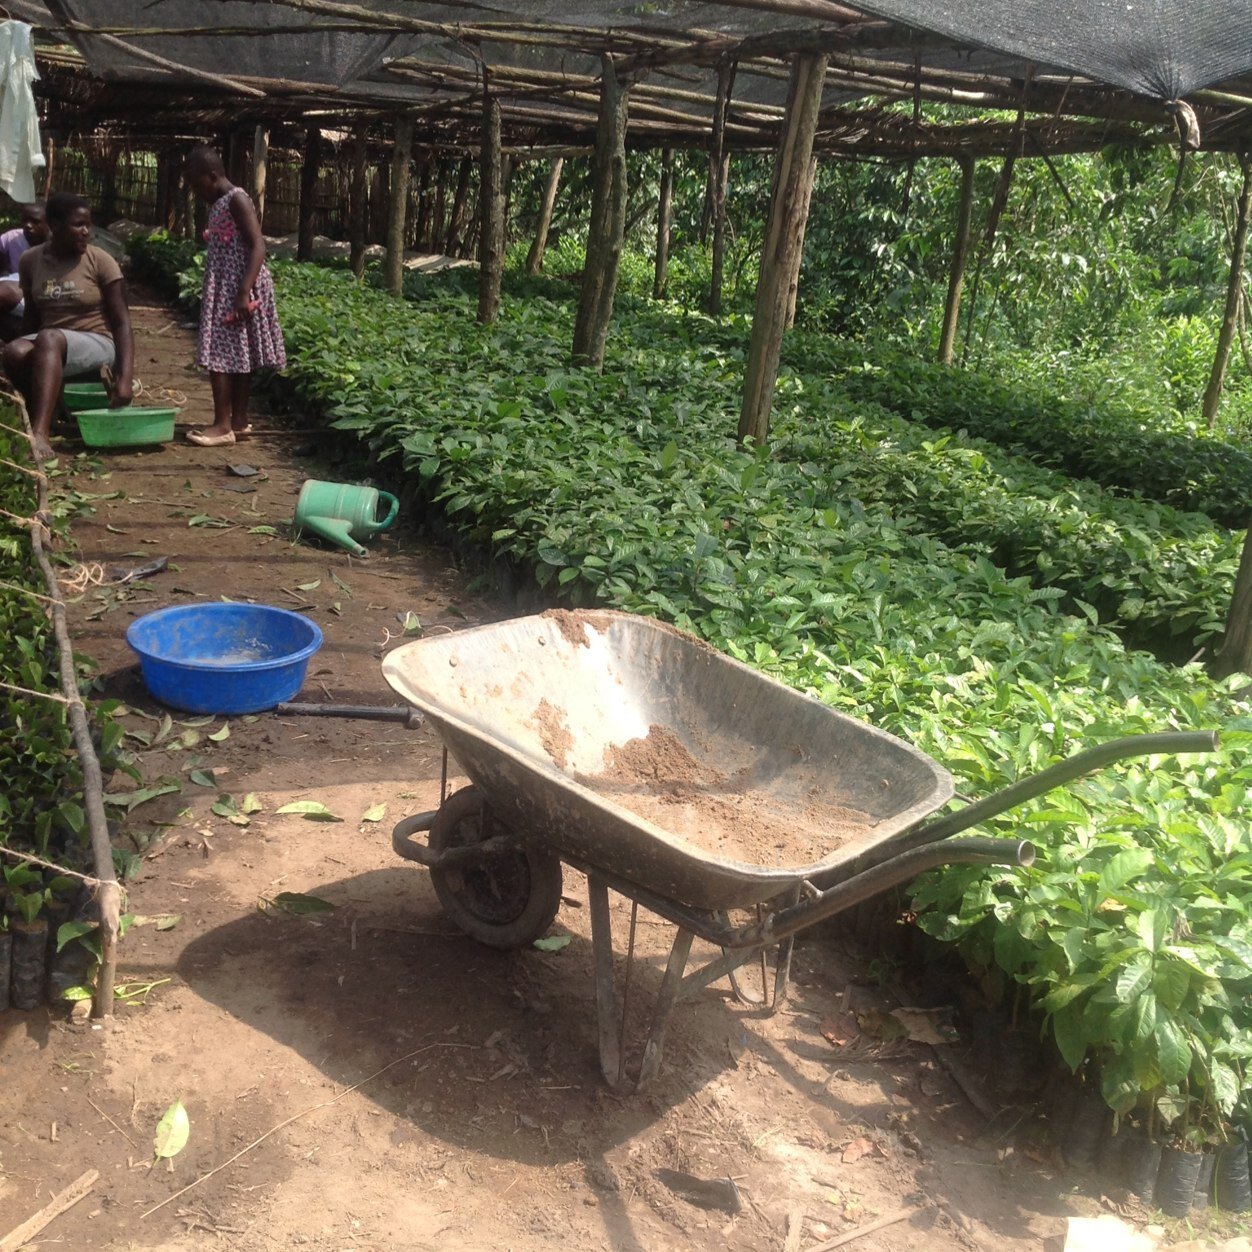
(960, 254)
(784, 243)
(491, 221)
(60, 1203)
(664, 211)
(308, 190)
(260, 169)
(848, 1236)
(539, 245)
(1234, 288)
(358, 200)
(398, 209)
(1236, 653)
(719, 176)
(608, 220)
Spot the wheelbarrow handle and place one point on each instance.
(879, 878)
(1168, 743)
(404, 714)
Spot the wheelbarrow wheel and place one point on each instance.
(504, 901)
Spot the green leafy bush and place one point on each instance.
(1104, 442)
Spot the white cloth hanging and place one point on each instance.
(20, 150)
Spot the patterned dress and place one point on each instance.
(236, 347)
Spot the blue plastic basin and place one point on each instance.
(223, 658)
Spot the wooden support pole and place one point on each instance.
(166, 189)
(719, 176)
(491, 222)
(236, 157)
(784, 242)
(664, 212)
(456, 217)
(1235, 656)
(794, 290)
(358, 200)
(187, 206)
(608, 220)
(960, 254)
(539, 245)
(308, 190)
(399, 206)
(1234, 293)
(260, 168)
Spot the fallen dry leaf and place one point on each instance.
(862, 1147)
(925, 1025)
(839, 1029)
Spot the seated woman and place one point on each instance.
(75, 318)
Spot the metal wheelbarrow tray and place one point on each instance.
(682, 779)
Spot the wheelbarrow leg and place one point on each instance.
(612, 1026)
(611, 1058)
(670, 986)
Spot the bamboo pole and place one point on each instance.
(358, 203)
(608, 220)
(960, 254)
(784, 243)
(308, 189)
(664, 211)
(260, 168)
(491, 221)
(539, 245)
(719, 176)
(1234, 289)
(399, 206)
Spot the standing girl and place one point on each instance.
(239, 330)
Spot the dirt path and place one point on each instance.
(481, 1122)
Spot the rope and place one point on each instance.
(27, 592)
(36, 474)
(82, 577)
(39, 695)
(60, 869)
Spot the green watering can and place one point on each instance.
(343, 514)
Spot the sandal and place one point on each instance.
(210, 441)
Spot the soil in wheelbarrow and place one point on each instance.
(661, 780)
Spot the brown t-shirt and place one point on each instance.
(69, 292)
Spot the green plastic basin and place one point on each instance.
(125, 428)
(80, 396)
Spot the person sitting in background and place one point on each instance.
(13, 245)
(75, 320)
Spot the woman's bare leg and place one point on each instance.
(240, 395)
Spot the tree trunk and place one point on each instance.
(260, 169)
(539, 245)
(399, 205)
(358, 203)
(719, 174)
(491, 224)
(784, 243)
(308, 190)
(960, 254)
(421, 229)
(608, 220)
(1234, 290)
(1236, 653)
(664, 211)
(456, 218)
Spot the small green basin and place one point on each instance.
(125, 428)
(80, 396)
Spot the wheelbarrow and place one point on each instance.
(687, 782)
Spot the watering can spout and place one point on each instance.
(334, 530)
